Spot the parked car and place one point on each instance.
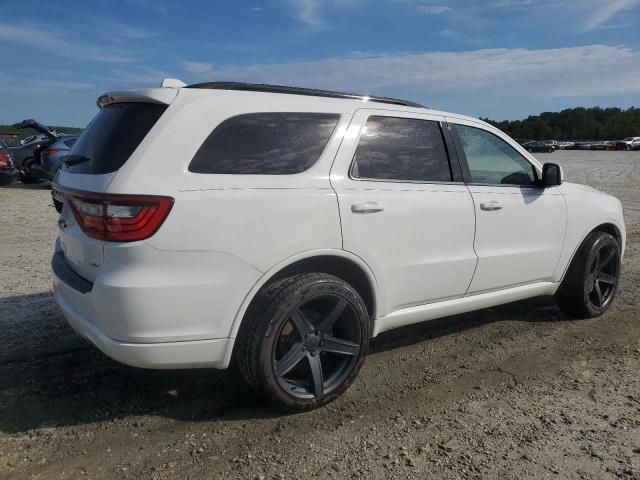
(539, 147)
(27, 154)
(8, 172)
(629, 143)
(24, 156)
(49, 158)
(182, 244)
(602, 146)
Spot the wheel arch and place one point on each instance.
(347, 266)
(607, 226)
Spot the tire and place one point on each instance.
(591, 282)
(25, 173)
(303, 341)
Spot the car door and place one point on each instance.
(403, 209)
(520, 226)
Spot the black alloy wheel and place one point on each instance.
(304, 340)
(591, 282)
(317, 347)
(602, 281)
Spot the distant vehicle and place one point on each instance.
(26, 155)
(540, 147)
(602, 146)
(629, 143)
(565, 145)
(8, 172)
(48, 160)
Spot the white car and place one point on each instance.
(283, 228)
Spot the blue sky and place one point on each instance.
(503, 59)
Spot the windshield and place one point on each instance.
(112, 136)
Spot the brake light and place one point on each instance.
(4, 161)
(50, 153)
(116, 218)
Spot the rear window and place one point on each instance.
(278, 143)
(69, 143)
(113, 135)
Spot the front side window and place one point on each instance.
(278, 143)
(493, 161)
(401, 149)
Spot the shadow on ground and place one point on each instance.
(53, 378)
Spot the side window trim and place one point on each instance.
(464, 165)
(456, 177)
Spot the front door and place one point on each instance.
(520, 226)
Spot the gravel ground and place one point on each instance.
(519, 391)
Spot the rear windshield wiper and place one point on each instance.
(74, 159)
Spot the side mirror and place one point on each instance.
(551, 175)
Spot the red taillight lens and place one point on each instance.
(4, 161)
(50, 153)
(116, 218)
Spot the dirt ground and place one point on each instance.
(519, 391)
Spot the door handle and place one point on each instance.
(367, 207)
(490, 206)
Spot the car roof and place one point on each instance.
(168, 93)
(313, 92)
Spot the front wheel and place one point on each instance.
(591, 282)
(304, 341)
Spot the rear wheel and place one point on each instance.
(25, 172)
(304, 341)
(591, 282)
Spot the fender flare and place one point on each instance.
(277, 268)
(603, 221)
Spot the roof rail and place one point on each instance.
(263, 87)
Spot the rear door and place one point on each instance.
(102, 148)
(403, 209)
(520, 226)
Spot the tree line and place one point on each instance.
(575, 124)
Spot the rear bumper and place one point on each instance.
(214, 353)
(147, 320)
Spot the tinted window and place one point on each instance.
(401, 149)
(69, 143)
(112, 136)
(265, 144)
(492, 160)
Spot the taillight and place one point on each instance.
(116, 218)
(4, 161)
(50, 153)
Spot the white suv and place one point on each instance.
(284, 228)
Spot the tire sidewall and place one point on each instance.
(289, 299)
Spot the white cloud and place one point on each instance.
(58, 43)
(605, 10)
(312, 12)
(433, 9)
(566, 72)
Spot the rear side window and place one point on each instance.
(278, 143)
(401, 149)
(113, 135)
(69, 143)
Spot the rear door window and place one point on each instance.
(278, 143)
(401, 150)
(113, 135)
